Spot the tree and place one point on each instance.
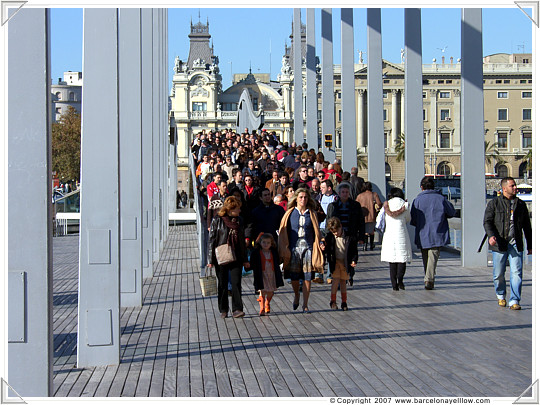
(400, 147)
(491, 153)
(361, 160)
(528, 158)
(66, 146)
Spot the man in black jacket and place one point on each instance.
(351, 216)
(505, 220)
(266, 217)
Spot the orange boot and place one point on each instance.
(261, 305)
(267, 303)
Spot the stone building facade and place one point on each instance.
(67, 92)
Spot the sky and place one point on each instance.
(256, 37)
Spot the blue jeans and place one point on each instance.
(516, 270)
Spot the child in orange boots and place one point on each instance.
(267, 276)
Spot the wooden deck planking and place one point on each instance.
(407, 343)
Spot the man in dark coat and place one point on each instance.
(506, 219)
(351, 216)
(429, 215)
(266, 217)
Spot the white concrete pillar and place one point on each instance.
(130, 118)
(147, 130)
(473, 181)
(29, 241)
(98, 332)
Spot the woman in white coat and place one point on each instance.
(396, 246)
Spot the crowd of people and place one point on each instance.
(283, 212)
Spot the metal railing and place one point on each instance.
(198, 206)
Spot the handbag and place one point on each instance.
(375, 205)
(225, 254)
(208, 284)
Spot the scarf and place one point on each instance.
(233, 224)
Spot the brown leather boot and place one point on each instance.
(261, 305)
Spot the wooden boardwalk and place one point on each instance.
(452, 341)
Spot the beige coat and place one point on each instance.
(366, 200)
(317, 259)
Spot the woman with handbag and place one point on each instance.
(227, 252)
(299, 244)
(371, 204)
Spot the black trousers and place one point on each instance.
(222, 273)
(397, 272)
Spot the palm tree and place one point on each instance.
(400, 147)
(491, 152)
(361, 160)
(528, 158)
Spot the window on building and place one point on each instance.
(444, 169)
(523, 81)
(384, 94)
(527, 140)
(507, 81)
(385, 140)
(449, 82)
(501, 170)
(445, 115)
(229, 107)
(425, 140)
(339, 94)
(445, 140)
(526, 114)
(530, 81)
(339, 115)
(58, 110)
(498, 81)
(386, 81)
(502, 140)
(385, 115)
(502, 114)
(424, 94)
(425, 81)
(440, 81)
(71, 96)
(526, 94)
(424, 115)
(58, 95)
(523, 170)
(255, 104)
(198, 106)
(444, 94)
(502, 94)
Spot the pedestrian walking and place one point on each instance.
(506, 219)
(341, 253)
(371, 204)
(396, 246)
(350, 215)
(299, 244)
(227, 236)
(429, 214)
(267, 276)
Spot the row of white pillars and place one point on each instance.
(124, 170)
(471, 104)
